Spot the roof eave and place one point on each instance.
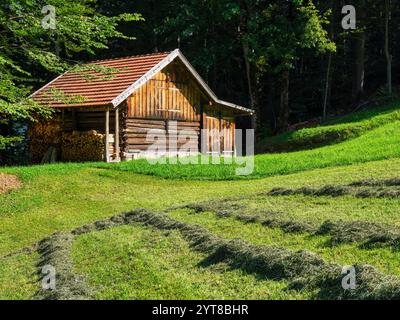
(235, 106)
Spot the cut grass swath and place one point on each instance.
(369, 234)
(303, 269)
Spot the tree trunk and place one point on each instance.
(245, 16)
(327, 87)
(252, 90)
(328, 69)
(283, 117)
(387, 50)
(359, 55)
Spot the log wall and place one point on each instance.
(140, 134)
(88, 120)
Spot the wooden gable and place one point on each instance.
(171, 94)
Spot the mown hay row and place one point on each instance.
(336, 191)
(369, 234)
(302, 268)
(329, 190)
(223, 210)
(376, 183)
(55, 251)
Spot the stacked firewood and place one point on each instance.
(82, 146)
(43, 135)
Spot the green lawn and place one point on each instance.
(143, 262)
(133, 262)
(63, 197)
(378, 144)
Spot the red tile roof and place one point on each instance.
(97, 90)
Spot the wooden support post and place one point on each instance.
(204, 141)
(220, 135)
(107, 140)
(117, 149)
(63, 119)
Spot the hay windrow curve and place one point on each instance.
(373, 182)
(55, 251)
(222, 210)
(360, 189)
(302, 269)
(368, 234)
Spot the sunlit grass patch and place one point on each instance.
(385, 259)
(378, 144)
(332, 131)
(18, 277)
(134, 262)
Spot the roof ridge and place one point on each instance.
(129, 57)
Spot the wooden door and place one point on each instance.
(227, 136)
(213, 135)
(220, 134)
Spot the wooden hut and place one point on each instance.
(136, 94)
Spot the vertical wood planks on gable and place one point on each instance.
(171, 94)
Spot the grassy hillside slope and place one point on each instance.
(285, 235)
(378, 144)
(64, 197)
(332, 131)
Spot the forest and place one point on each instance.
(291, 61)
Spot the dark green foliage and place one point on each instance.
(30, 54)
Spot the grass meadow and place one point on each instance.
(136, 260)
